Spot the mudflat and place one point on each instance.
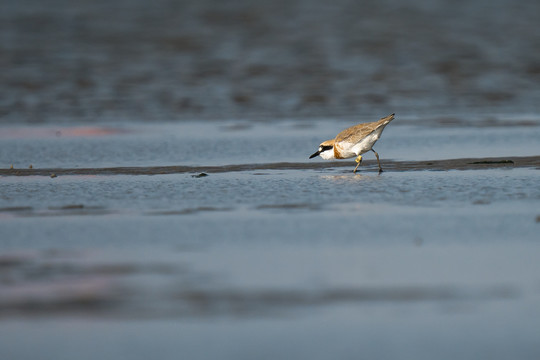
(157, 201)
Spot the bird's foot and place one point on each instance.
(358, 161)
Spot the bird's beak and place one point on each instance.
(316, 154)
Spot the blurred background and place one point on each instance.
(166, 60)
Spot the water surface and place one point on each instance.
(156, 199)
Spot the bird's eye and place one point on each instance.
(325, 147)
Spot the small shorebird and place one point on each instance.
(354, 141)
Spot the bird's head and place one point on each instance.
(326, 150)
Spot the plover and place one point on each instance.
(354, 141)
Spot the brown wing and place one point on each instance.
(357, 132)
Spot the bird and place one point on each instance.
(354, 141)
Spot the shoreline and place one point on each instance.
(368, 165)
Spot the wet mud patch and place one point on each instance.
(491, 162)
(190, 211)
(15, 209)
(367, 165)
(64, 210)
(290, 206)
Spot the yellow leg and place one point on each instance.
(358, 162)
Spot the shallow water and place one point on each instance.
(239, 142)
(266, 256)
(161, 203)
(460, 300)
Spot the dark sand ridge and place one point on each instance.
(369, 165)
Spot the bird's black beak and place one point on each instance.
(316, 154)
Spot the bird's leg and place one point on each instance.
(358, 162)
(378, 162)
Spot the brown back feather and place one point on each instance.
(357, 132)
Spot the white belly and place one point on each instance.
(365, 145)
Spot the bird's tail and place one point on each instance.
(387, 119)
